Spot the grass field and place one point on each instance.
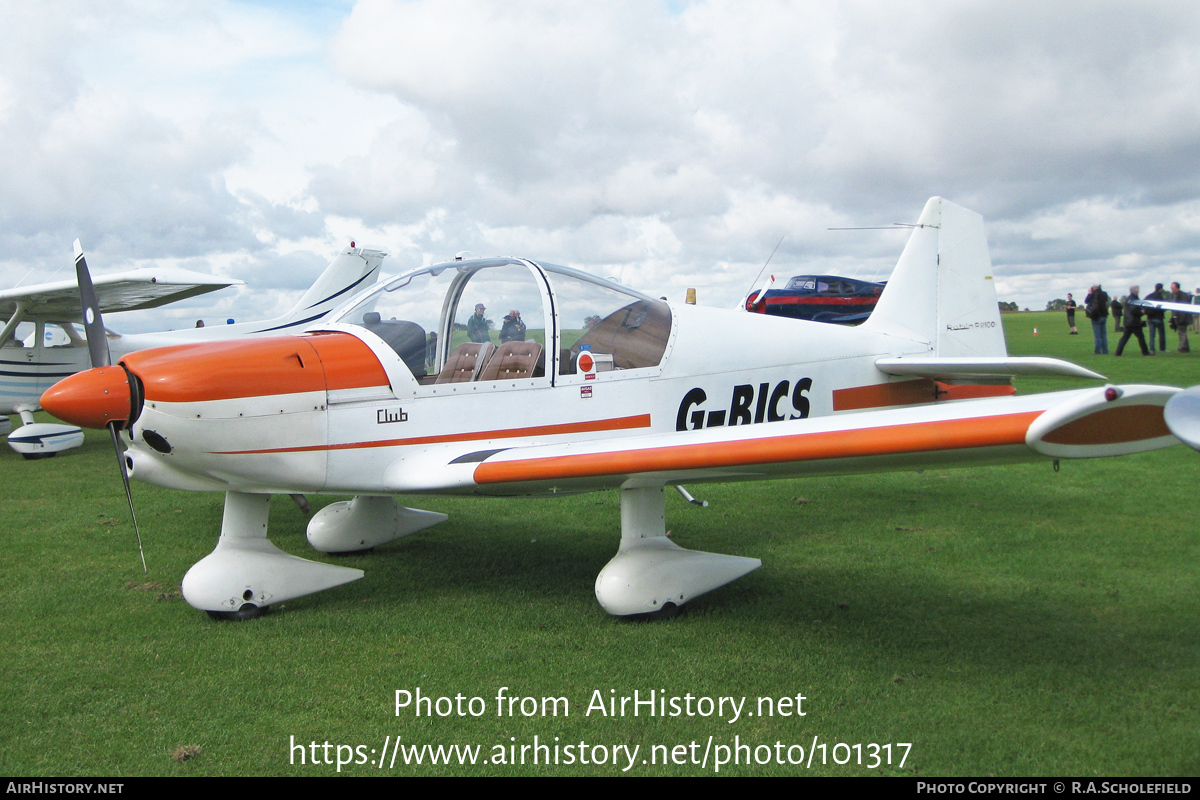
(1008, 621)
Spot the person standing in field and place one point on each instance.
(1071, 314)
(1095, 305)
(1180, 322)
(477, 326)
(1156, 319)
(513, 329)
(1133, 323)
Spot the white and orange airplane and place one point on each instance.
(587, 385)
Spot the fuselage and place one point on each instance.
(369, 404)
(586, 385)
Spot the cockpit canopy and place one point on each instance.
(496, 319)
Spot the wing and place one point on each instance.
(1167, 305)
(132, 290)
(1077, 424)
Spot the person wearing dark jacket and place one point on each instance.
(1181, 322)
(477, 325)
(1116, 311)
(1156, 319)
(1133, 323)
(1095, 305)
(513, 329)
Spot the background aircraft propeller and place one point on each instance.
(1182, 414)
(758, 294)
(93, 326)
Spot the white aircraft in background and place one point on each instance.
(600, 387)
(53, 348)
(1168, 305)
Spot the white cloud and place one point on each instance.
(727, 126)
(668, 144)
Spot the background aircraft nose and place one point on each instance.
(91, 399)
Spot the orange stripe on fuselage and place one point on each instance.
(616, 424)
(918, 437)
(906, 393)
(971, 391)
(876, 395)
(256, 367)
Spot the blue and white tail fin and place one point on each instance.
(942, 293)
(354, 269)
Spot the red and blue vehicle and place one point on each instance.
(820, 298)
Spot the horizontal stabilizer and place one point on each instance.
(979, 367)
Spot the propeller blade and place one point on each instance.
(1182, 415)
(116, 440)
(93, 325)
(757, 295)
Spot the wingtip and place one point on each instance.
(78, 249)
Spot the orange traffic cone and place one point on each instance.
(1035, 331)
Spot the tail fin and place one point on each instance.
(941, 292)
(353, 269)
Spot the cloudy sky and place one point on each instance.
(668, 144)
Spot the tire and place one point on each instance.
(246, 612)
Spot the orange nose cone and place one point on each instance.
(90, 399)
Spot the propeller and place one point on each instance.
(759, 294)
(93, 326)
(1182, 415)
